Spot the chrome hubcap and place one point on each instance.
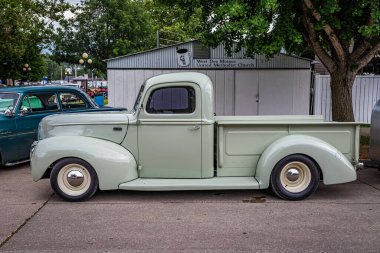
(292, 174)
(75, 178)
(295, 176)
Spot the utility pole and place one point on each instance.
(158, 38)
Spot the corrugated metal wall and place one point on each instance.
(236, 92)
(166, 58)
(365, 93)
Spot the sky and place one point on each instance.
(69, 14)
(72, 1)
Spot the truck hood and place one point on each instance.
(107, 125)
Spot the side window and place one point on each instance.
(32, 103)
(72, 101)
(171, 100)
(40, 102)
(52, 100)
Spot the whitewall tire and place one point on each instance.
(73, 179)
(295, 177)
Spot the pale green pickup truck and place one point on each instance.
(171, 140)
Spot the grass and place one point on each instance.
(364, 140)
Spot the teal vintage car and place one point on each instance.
(172, 140)
(21, 110)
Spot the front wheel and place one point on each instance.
(73, 179)
(295, 177)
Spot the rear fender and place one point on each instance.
(334, 165)
(113, 163)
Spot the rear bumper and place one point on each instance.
(371, 164)
(359, 165)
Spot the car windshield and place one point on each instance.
(8, 101)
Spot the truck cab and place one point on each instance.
(175, 126)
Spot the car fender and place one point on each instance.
(113, 163)
(334, 166)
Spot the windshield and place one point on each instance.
(8, 101)
(138, 97)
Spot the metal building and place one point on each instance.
(242, 86)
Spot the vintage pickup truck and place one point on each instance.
(171, 140)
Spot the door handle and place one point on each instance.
(194, 128)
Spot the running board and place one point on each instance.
(215, 183)
(16, 163)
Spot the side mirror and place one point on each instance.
(23, 111)
(8, 113)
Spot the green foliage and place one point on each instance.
(364, 140)
(173, 23)
(53, 69)
(104, 29)
(25, 27)
(36, 63)
(253, 25)
(266, 26)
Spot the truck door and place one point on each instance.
(169, 132)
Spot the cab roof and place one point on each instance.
(23, 89)
(194, 77)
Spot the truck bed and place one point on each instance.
(242, 139)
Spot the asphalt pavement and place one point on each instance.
(337, 218)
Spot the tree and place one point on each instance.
(25, 28)
(172, 22)
(344, 35)
(104, 29)
(53, 69)
(35, 60)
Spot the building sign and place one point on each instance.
(183, 57)
(224, 63)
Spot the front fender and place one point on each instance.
(112, 162)
(334, 165)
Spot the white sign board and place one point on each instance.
(224, 63)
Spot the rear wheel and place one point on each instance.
(73, 179)
(295, 177)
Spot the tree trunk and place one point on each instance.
(341, 95)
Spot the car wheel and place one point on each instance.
(74, 179)
(295, 177)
